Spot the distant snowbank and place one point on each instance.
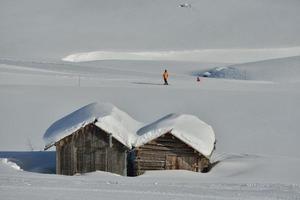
(32, 161)
(10, 164)
(225, 72)
(205, 55)
(274, 70)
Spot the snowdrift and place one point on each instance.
(31, 161)
(202, 55)
(9, 163)
(275, 70)
(130, 132)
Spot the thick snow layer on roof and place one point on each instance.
(188, 128)
(120, 125)
(107, 117)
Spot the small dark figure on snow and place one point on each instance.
(185, 5)
(165, 76)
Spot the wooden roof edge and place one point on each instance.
(48, 146)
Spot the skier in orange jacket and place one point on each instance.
(166, 76)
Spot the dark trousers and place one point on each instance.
(166, 81)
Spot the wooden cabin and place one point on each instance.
(102, 137)
(90, 149)
(166, 152)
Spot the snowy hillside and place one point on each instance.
(57, 56)
(49, 30)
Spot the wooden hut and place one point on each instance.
(90, 149)
(166, 152)
(94, 137)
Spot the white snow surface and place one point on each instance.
(188, 128)
(238, 176)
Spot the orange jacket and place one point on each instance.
(165, 75)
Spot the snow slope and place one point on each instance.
(276, 70)
(35, 30)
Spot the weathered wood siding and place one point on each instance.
(90, 149)
(167, 152)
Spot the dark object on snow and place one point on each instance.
(165, 77)
(225, 72)
(185, 5)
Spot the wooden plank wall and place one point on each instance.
(88, 150)
(167, 152)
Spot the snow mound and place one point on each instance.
(275, 70)
(32, 161)
(187, 128)
(132, 133)
(225, 72)
(10, 164)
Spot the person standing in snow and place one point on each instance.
(166, 76)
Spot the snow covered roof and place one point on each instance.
(188, 128)
(105, 115)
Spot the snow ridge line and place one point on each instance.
(204, 55)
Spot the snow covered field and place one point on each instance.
(57, 56)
